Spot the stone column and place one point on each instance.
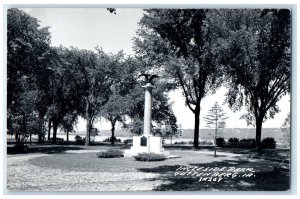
(147, 143)
(147, 109)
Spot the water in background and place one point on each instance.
(187, 134)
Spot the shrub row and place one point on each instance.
(204, 142)
(149, 157)
(266, 143)
(58, 139)
(81, 140)
(114, 153)
(109, 139)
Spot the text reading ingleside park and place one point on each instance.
(215, 174)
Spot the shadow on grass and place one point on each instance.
(48, 149)
(185, 147)
(277, 155)
(263, 179)
(60, 147)
(267, 154)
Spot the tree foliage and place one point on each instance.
(181, 42)
(286, 129)
(257, 57)
(63, 103)
(96, 76)
(216, 118)
(164, 122)
(120, 101)
(27, 59)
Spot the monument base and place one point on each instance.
(146, 144)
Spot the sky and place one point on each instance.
(87, 28)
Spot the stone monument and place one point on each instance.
(147, 143)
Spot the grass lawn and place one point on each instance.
(73, 168)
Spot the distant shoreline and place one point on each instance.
(206, 134)
(187, 135)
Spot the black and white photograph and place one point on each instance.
(149, 99)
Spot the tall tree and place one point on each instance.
(181, 43)
(115, 111)
(96, 73)
(27, 58)
(164, 121)
(257, 56)
(68, 123)
(286, 129)
(120, 102)
(126, 103)
(27, 48)
(216, 118)
(63, 101)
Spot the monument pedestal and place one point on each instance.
(146, 144)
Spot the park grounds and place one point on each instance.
(67, 167)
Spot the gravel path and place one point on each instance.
(22, 176)
(81, 170)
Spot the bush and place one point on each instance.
(111, 153)
(79, 140)
(127, 141)
(180, 142)
(77, 137)
(106, 139)
(58, 139)
(247, 143)
(109, 139)
(206, 143)
(250, 140)
(268, 143)
(233, 141)
(220, 142)
(21, 148)
(191, 142)
(149, 157)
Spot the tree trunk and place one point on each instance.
(215, 140)
(87, 137)
(196, 129)
(49, 129)
(17, 138)
(55, 126)
(259, 122)
(29, 138)
(25, 129)
(112, 139)
(67, 136)
(90, 135)
(40, 138)
(42, 133)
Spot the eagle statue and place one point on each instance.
(148, 77)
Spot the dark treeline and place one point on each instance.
(51, 87)
(246, 50)
(195, 50)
